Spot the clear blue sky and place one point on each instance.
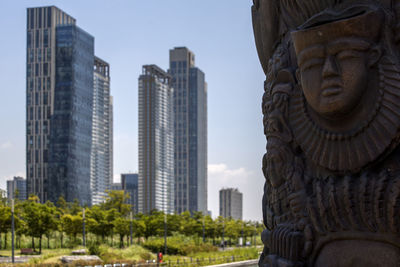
(129, 34)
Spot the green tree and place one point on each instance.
(139, 228)
(220, 224)
(72, 225)
(210, 228)
(117, 199)
(232, 230)
(154, 223)
(188, 224)
(39, 219)
(74, 207)
(51, 221)
(98, 223)
(174, 223)
(248, 230)
(121, 227)
(62, 204)
(62, 209)
(5, 222)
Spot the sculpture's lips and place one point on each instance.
(331, 87)
(331, 91)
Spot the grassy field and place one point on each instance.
(137, 254)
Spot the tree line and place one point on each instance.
(64, 221)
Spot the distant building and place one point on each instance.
(16, 188)
(231, 203)
(190, 115)
(116, 186)
(130, 184)
(156, 141)
(101, 165)
(59, 102)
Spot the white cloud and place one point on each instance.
(6, 145)
(249, 182)
(116, 178)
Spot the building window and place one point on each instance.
(45, 155)
(48, 54)
(45, 127)
(45, 69)
(49, 17)
(46, 38)
(45, 98)
(39, 84)
(28, 128)
(29, 70)
(29, 39)
(37, 38)
(30, 55)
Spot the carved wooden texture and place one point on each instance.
(331, 109)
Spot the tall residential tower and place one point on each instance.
(156, 141)
(190, 115)
(59, 106)
(102, 142)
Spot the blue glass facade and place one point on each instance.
(190, 115)
(130, 183)
(40, 90)
(71, 131)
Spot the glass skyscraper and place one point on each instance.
(130, 184)
(102, 142)
(156, 141)
(190, 125)
(59, 106)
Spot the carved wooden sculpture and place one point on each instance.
(332, 121)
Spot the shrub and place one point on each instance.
(94, 247)
(177, 244)
(145, 256)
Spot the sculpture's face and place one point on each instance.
(334, 76)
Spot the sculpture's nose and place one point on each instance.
(330, 67)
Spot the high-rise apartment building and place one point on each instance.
(59, 106)
(190, 115)
(156, 141)
(231, 203)
(130, 184)
(102, 142)
(16, 188)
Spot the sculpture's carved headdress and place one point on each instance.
(371, 134)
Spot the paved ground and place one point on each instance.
(18, 259)
(249, 263)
